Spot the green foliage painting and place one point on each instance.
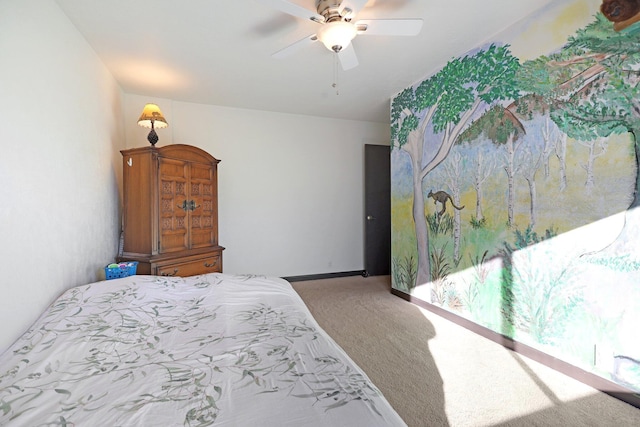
(514, 195)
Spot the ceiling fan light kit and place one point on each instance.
(336, 35)
(337, 29)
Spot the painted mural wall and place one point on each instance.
(514, 188)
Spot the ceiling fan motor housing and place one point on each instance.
(330, 9)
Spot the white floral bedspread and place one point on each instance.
(206, 350)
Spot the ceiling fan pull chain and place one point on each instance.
(335, 74)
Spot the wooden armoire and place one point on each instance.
(170, 214)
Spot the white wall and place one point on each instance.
(61, 129)
(290, 186)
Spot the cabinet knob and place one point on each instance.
(175, 271)
(188, 205)
(206, 264)
(192, 205)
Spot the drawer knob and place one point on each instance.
(206, 264)
(175, 271)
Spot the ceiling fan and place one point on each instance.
(338, 29)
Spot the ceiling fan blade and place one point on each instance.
(389, 27)
(294, 47)
(293, 9)
(348, 58)
(354, 7)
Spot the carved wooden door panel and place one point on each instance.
(204, 209)
(173, 205)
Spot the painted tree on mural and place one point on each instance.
(592, 87)
(482, 170)
(540, 142)
(561, 155)
(454, 179)
(596, 148)
(531, 162)
(505, 131)
(445, 104)
(549, 137)
(451, 175)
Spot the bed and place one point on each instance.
(215, 349)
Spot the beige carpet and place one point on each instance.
(436, 373)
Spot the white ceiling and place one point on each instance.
(219, 52)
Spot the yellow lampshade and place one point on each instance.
(152, 117)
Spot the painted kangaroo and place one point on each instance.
(442, 196)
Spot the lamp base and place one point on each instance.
(152, 137)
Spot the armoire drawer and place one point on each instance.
(192, 267)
